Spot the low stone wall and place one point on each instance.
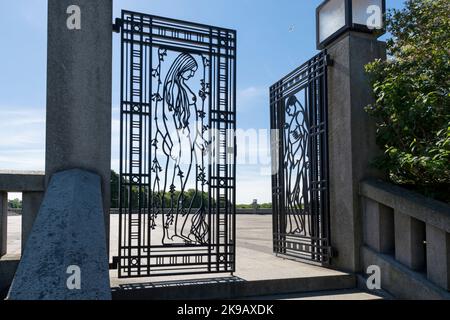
(22, 181)
(407, 236)
(31, 185)
(14, 212)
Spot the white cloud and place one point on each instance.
(251, 185)
(22, 160)
(251, 96)
(115, 138)
(22, 143)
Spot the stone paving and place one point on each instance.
(14, 234)
(345, 295)
(255, 259)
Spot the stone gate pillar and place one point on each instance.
(79, 89)
(352, 145)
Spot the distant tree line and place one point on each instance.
(189, 196)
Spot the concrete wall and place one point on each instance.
(31, 185)
(351, 141)
(22, 181)
(31, 202)
(417, 264)
(400, 281)
(79, 85)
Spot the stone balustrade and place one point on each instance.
(32, 185)
(408, 237)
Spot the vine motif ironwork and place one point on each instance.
(177, 177)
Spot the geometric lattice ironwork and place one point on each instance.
(300, 185)
(177, 147)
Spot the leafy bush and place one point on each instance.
(412, 107)
(15, 204)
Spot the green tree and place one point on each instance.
(250, 206)
(190, 196)
(115, 192)
(266, 206)
(412, 107)
(15, 204)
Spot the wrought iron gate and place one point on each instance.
(300, 185)
(177, 147)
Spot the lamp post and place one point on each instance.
(335, 17)
(348, 30)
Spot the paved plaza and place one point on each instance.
(255, 260)
(254, 249)
(254, 232)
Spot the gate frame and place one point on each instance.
(219, 44)
(318, 248)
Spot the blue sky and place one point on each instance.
(274, 36)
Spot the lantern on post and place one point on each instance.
(335, 17)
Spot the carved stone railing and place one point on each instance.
(408, 236)
(31, 185)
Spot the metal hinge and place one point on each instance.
(117, 26)
(333, 252)
(329, 62)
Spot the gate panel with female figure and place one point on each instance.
(300, 184)
(177, 173)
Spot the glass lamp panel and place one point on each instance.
(368, 13)
(331, 18)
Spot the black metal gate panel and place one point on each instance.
(177, 148)
(300, 185)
